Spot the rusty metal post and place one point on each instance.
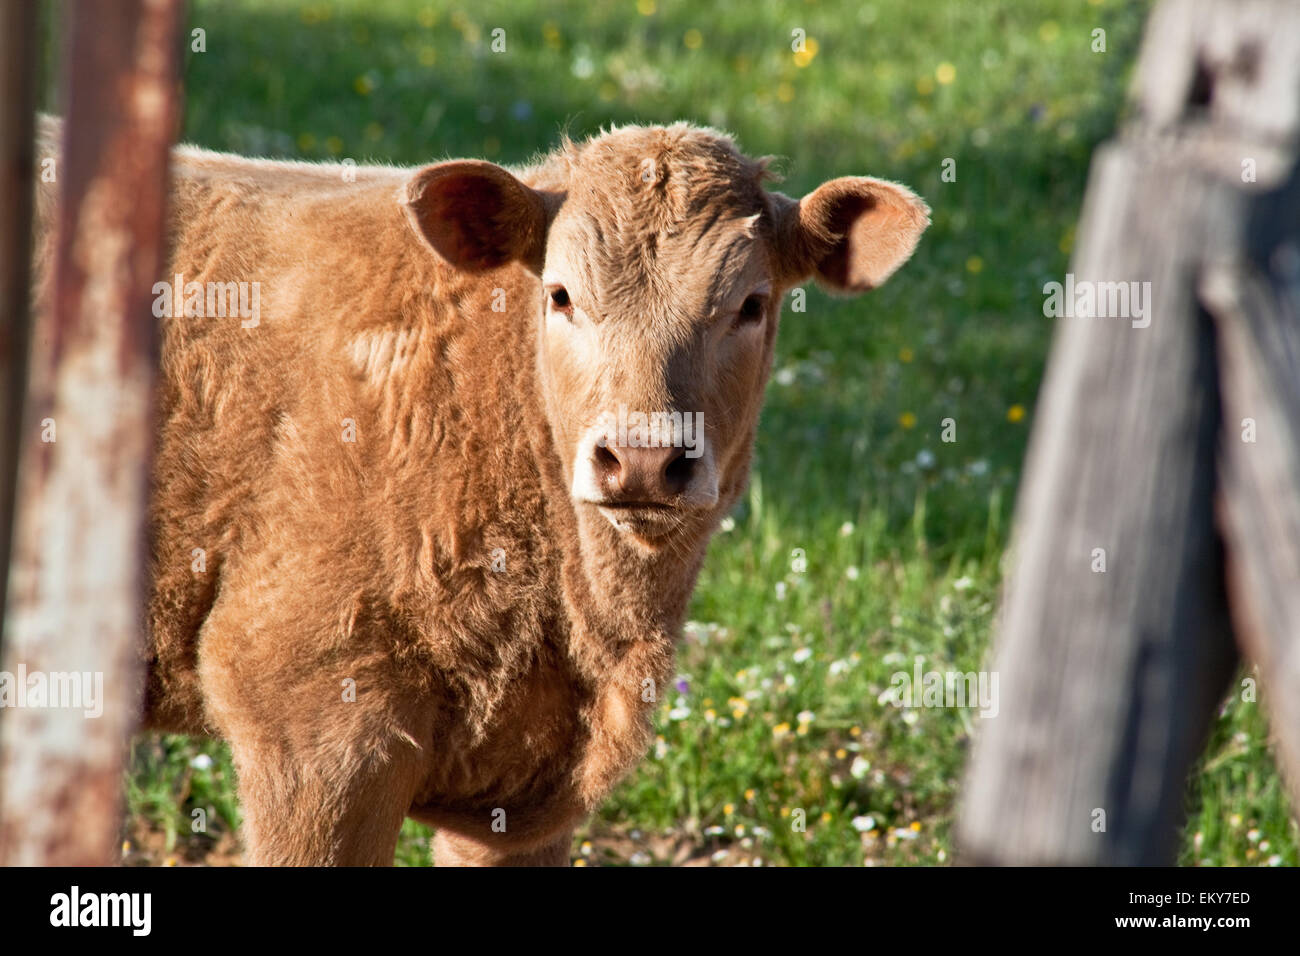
(78, 577)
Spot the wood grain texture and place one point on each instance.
(1258, 315)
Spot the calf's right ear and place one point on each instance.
(477, 215)
(852, 233)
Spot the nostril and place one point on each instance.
(607, 463)
(678, 473)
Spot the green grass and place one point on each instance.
(902, 532)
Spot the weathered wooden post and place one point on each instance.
(1115, 644)
(74, 615)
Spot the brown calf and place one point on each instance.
(434, 483)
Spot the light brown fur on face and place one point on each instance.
(465, 614)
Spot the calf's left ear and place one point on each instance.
(477, 215)
(852, 233)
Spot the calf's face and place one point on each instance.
(663, 263)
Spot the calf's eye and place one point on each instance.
(560, 298)
(751, 310)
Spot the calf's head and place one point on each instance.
(662, 263)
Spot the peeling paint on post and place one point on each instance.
(78, 577)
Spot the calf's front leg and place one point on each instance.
(325, 777)
(299, 812)
(453, 849)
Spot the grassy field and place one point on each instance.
(781, 707)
